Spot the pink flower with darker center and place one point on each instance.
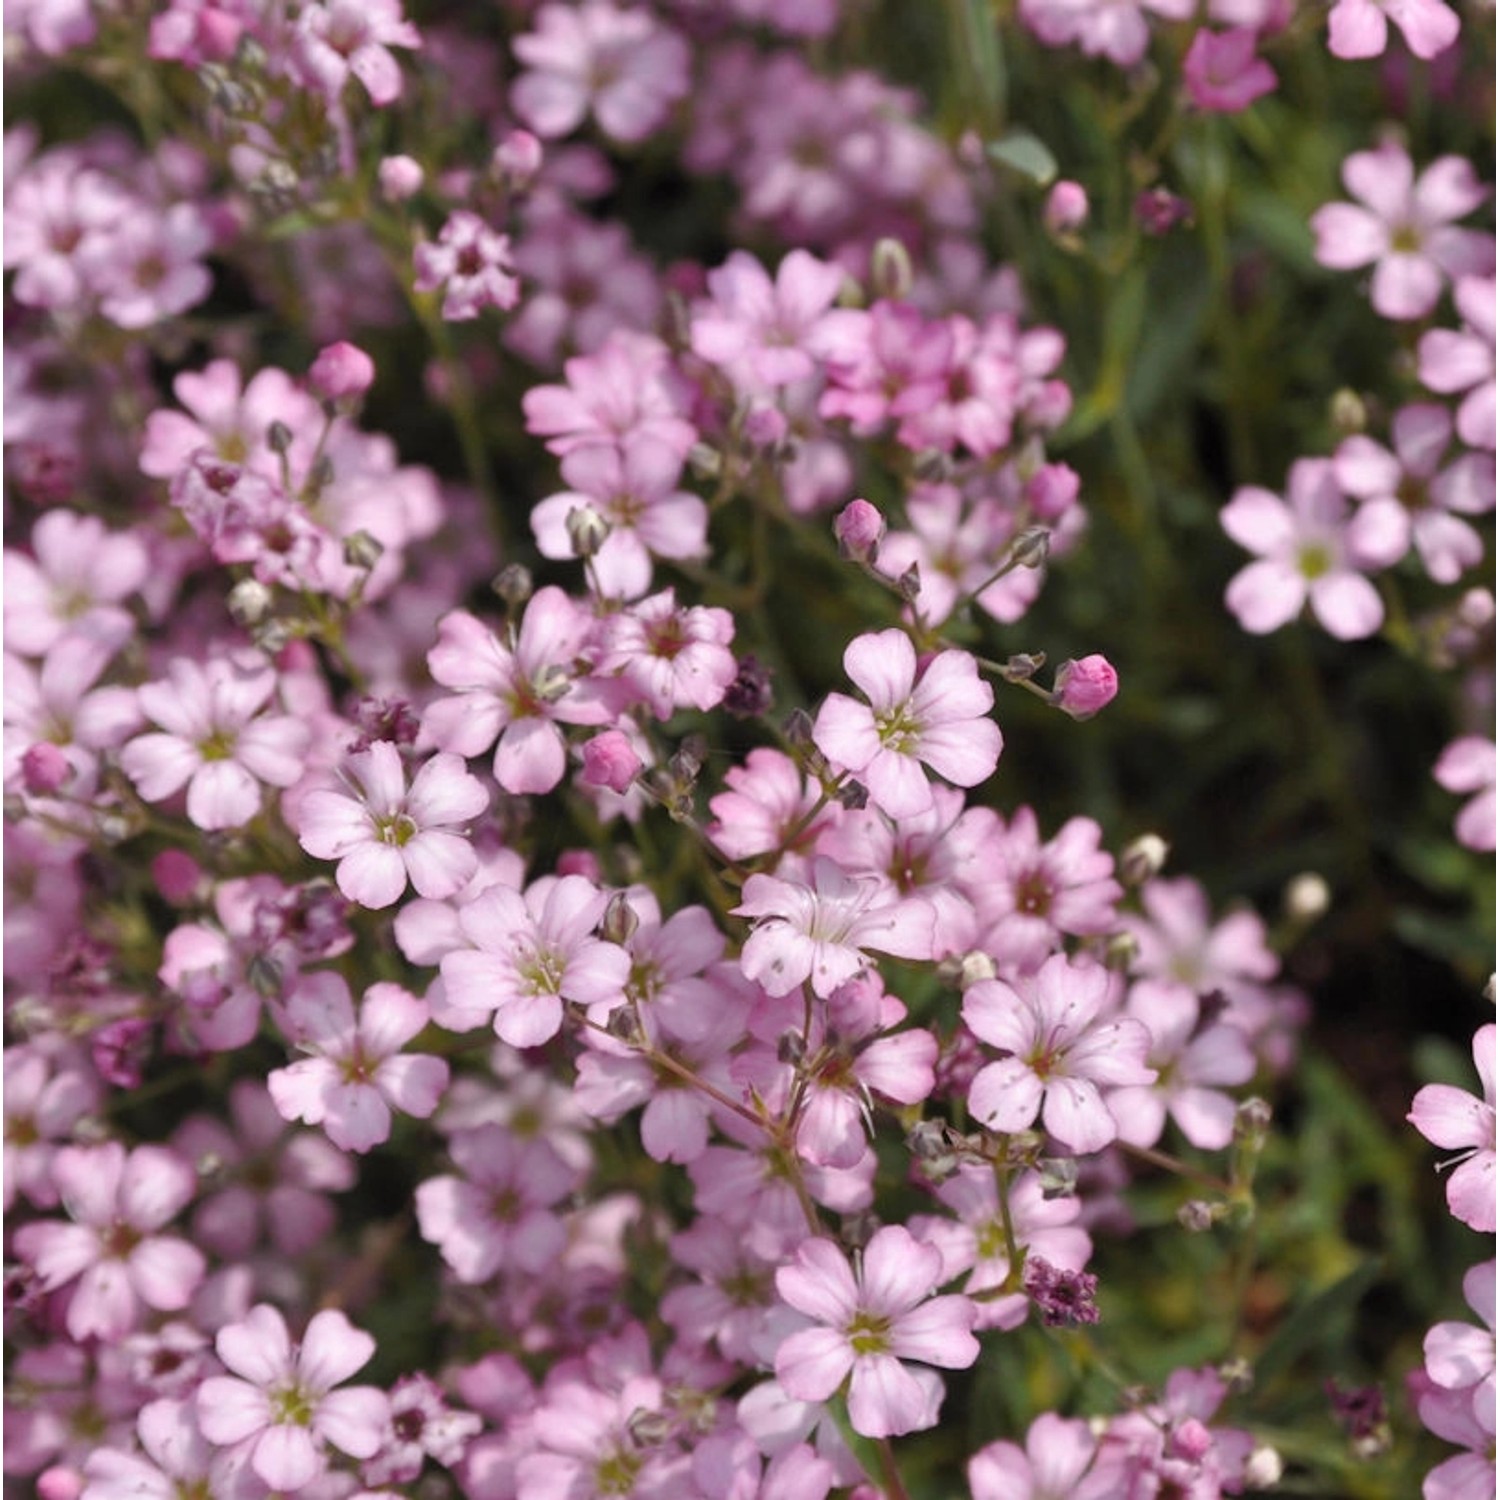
(358, 1073)
(347, 38)
(283, 1407)
(215, 740)
(1405, 226)
(472, 264)
(871, 1320)
(1459, 1121)
(940, 720)
(111, 1250)
(1057, 1049)
(383, 833)
(672, 656)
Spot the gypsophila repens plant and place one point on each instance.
(749, 749)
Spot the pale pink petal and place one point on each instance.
(413, 1084)
(1347, 605)
(332, 1350)
(166, 1272)
(257, 1348)
(897, 1272)
(231, 1410)
(222, 794)
(886, 1399)
(819, 1283)
(353, 1420)
(286, 1458)
(1005, 1096)
(440, 863)
(373, 875)
(883, 666)
(812, 1364)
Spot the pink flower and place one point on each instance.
(1056, 1051)
(671, 657)
(1406, 226)
(1456, 1120)
(820, 932)
(624, 66)
(1460, 1357)
(1468, 765)
(764, 334)
(633, 487)
(1082, 688)
(473, 265)
(283, 1407)
(215, 740)
(1067, 207)
(498, 1214)
(150, 268)
(1357, 28)
(1448, 362)
(768, 798)
(77, 580)
(513, 694)
(1116, 29)
(870, 1321)
(1415, 502)
(1223, 72)
(940, 721)
(353, 37)
(1060, 1458)
(530, 954)
(383, 834)
(46, 1094)
(357, 1074)
(1309, 550)
(176, 1460)
(421, 1426)
(117, 1202)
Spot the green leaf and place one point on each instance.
(1315, 1319)
(1024, 153)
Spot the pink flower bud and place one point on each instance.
(177, 875)
(340, 371)
(609, 759)
(1082, 688)
(1191, 1440)
(580, 862)
(1066, 209)
(517, 160)
(1051, 490)
(44, 769)
(859, 528)
(59, 1483)
(400, 178)
(766, 425)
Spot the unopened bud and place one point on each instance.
(1306, 897)
(400, 178)
(706, 462)
(890, 270)
(749, 695)
(1198, 1216)
(859, 529)
(278, 437)
(791, 1048)
(609, 760)
(363, 551)
(648, 1429)
(1058, 1177)
(1238, 1375)
(767, 426)
(620, 922)
(272, 636)
(1121, 949)
(44, 769)
(1144, 859)
(974, 967)
(1082, 688)
(1477, 609)
(1024, 666)
(932, 466)
(1252, 1121)
(341, 372)
(321, 475)
(798, 729)
(1488, 992)
(264, 975)
(1159, 212)
(1030, 548)
(587, 531)
(1066, 208)
(909, 583)
(1263, 1469)
(517, 160)
(853, 796)
(249, 602)
(1347, 412)
(513, 584)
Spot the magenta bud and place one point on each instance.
(400, 178)
(59, 1483)
(517, 160)
(859, 529)
(1191, 1440)
(1066, 209)
(341, 371)
(1159, 212)
(580, 862)
(609, 759)
(178, 876)
(1082, 688)
(1051, 491)
(44, 769)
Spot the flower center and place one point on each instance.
(1314, 560)
(218, 746)
(399, 829)
(616, 1473)
(898, 731)
(868, 1334)
(290, 1407)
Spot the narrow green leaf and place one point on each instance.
(1315, 1319)
(1024, 153)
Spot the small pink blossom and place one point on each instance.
(215, 740)
(46, 1094)
(1357, 28)
(869, 1322)
(421, 1426)
(280, 1402)
(623, 66)
(1061, 1458)
(1082, 688)
(940, 720)
(1067, 207)
(1223, 72)
(1468, 766)
(117, 1202)
(1449, 362)
(343, 38)
(340, 371)
(1309, 549)
(1460, 1357)
(472, 264)
(1056, 1050)
(671, 656)
(357, 1073)
(1459, 1121)
(384, 834)
(1406, 227)
(820, 932)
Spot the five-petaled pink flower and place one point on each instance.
(381, 833)
(1357, 28)
(938, 720)
(352, 37)
(870, 1322)
(1406, 227)
(1056, 1051)
(283, 1406)
(1458, 1121)
(357, 1072)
